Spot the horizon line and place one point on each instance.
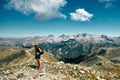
(58, 35)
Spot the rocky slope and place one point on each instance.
(24, 68)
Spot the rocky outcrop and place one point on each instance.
(62, 71)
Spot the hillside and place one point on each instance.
(22, 66)
(67, 57)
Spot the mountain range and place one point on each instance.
(66, 57)
(54, 39)
(69, 48)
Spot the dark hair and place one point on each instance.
(36, 46)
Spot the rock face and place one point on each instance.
(72, 51)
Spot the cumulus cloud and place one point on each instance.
(42, 9)
(81, 15)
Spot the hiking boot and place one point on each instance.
(38, 67)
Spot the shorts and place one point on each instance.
(37, 56)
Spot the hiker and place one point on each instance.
(38, 52)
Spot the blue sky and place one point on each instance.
(23, 18)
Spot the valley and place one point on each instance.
(78, 57)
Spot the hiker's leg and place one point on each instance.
(38, 63)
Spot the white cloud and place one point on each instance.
(42, 9)
(105, 0)
(108, 3)
(81, 15)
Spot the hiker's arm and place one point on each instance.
(40, 49)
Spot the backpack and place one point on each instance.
(41, 52)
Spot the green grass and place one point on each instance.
(8, 54)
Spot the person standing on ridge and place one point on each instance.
(38, 53)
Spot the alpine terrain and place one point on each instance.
(66, 57)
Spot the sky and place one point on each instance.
(25, 18)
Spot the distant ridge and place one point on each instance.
(51, 38)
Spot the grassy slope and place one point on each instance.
(9, 54)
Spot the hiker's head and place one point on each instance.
(35, 44)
